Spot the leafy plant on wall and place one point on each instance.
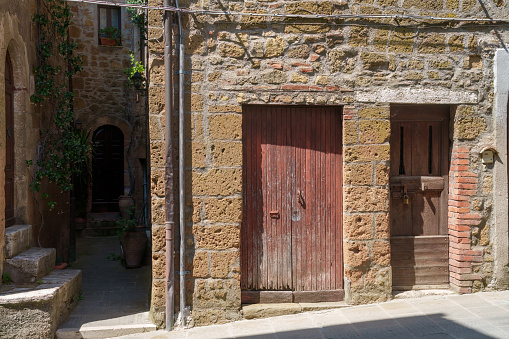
(64, 151)
(138, 17)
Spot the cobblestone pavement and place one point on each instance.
(480, 315)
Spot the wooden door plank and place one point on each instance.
(288, 172)
(247, 224)
(339, 202)
(407, 138)
(435, 147)
(420, 149)
(265, 187)
(309, 201)
(279, 233)
(328, 204)
(259, 206)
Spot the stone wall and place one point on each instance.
(102, 95)
(365, 65)
(18, 37)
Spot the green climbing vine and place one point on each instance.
(65, 150)
(138, 17)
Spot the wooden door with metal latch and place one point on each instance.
(419, 193)
(291, 239)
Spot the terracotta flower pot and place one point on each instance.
(125, 204)
(108, 42)
(134, 244)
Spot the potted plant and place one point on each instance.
(109, 36)
(133, 240)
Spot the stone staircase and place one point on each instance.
(38, 298)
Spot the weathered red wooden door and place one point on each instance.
(292, 224)
(9, 145)
(418, 183)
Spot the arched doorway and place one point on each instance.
(9, 145)
(108, 168)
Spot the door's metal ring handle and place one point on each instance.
(300, 198)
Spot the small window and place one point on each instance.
(109, 26)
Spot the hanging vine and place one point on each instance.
(138, 17)
(65, 151)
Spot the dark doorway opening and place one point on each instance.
(107, 169)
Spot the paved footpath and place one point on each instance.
(480, 315)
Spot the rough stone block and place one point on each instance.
(424, 4)
(227, 154)
(225, 126)
(38, 312)
(254, 21)
(196, 154)
(222, 263)
(18, 238)
(275, 47)
(300, 51)
(382, 226)
(358, 174)
(356, 253)
(381, 252)
(231, 50)
(31, 265)
(367, 153)
(216, 293)
(358, 226)
(374, 131)
(217, 237)
(366, 199)
(401, 40)
(469, 128)
(201, 266)
(350, 132)
(158, 238)
(376, 112)
(433, 44)
(223, 210)
(227, 181)
(381, 174)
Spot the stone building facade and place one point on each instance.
(18, 39)
(106, 104)
(370, 64)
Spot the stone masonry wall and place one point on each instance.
(363, 65)
(102, 95)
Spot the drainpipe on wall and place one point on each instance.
(182, 249)
(169, 184)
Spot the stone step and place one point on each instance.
(31, 265)
(256, 311)
(112, 328)
(18, 238)
(37, 310)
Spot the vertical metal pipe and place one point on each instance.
(169, 184)
(181, 174)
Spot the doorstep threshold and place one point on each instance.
(257, 311)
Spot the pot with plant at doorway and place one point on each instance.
(133, 240)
